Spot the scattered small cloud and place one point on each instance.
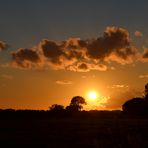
(143, 76)
(93, 76)
(84, 77)
(112, 68)
(6, 76)
(63, 82)
(138, 34)
(118, 86)
(3, 45)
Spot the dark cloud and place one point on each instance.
(3, 45)
(113, 40)
(80, 55)
(114, 43)
(52, 51)
(83, 66)
(73, 49)
(145, 54)
(25, 58)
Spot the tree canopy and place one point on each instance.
(76, 103)
(138, 105)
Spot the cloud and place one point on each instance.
(63, 82)
(112, 68)
(143, 76)
(84, 77)
(61, 55)
(113, 40)
(85, 67)
(25, 58)
(79, 55)
(6, 76)
(124, 56)
(145, 55)
(119, 86)
(138, 34)
(3, 45)
(115, 46)
(52, 51)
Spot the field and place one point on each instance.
(75, 132)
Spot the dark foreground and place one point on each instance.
(75, 132)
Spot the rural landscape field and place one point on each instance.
(93, 129)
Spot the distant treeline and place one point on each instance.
(45, 114)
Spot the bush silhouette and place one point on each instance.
(56, 107)
(73, 108)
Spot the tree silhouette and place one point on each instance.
(137, 105)
(134, 106)
(146, 92)
(56, 107)
(76, 104)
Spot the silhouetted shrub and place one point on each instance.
(56, 107)
(73, 108)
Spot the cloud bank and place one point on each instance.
(79, 55)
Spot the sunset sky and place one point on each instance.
(52, 50)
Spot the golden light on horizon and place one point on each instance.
(95, 100)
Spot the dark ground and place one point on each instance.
(75, 132)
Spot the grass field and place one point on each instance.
(76, 132)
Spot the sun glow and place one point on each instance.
(92, 96)
(95, 100)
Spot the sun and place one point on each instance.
(92, 96)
